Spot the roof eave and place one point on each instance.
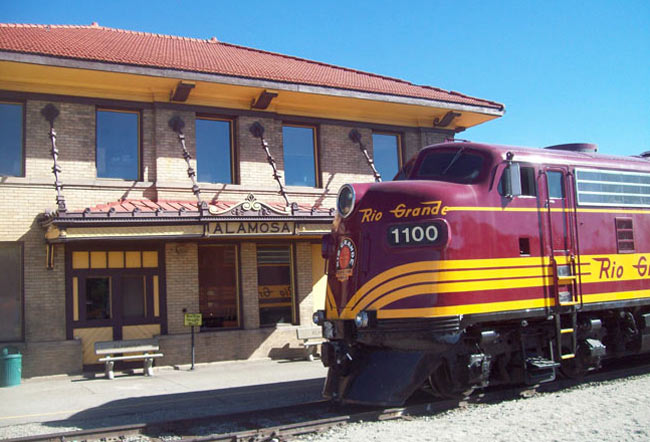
(496, 110)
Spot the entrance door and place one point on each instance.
(113, 295)
(560, 236)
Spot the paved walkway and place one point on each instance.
(218, 388)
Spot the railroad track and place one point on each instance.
(289, 422)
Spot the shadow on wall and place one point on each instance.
(169, 407)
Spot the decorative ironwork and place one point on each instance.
(50, 112)
(258, 132)
(355, 136)
(177, 124)
(250, 204)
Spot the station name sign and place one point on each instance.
(248, 228)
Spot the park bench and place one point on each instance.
(134, 349)
(311, 338)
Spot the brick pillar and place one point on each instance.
(182, 267)
(249, 285)
(304, 283)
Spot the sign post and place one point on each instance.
(193, 320)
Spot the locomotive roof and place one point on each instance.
(556, 156)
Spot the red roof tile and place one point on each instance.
(97, 43)
(150, 206)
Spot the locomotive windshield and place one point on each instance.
(459, 166)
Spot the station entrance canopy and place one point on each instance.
(165, 219)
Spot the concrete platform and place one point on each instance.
(91, 401)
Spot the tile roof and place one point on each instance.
(176, 210)
(98, 43)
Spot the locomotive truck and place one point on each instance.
(483, 265)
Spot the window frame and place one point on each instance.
(316, 153)
(580, 194)
(234, 169)
(295, 317)
(238, 287)
(400, 151)
(531, 180)
(23, 134)
(21, 247)
(116, 274)
(138, 113)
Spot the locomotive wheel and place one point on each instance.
(442, 385)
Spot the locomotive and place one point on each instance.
(484, 265)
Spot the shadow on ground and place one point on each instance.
(167, 407)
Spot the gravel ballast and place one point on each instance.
(617, 410)
(595, 411)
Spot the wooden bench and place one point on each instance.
(311, 338)
(134, 349)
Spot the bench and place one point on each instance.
(311, 338)
(146, 349)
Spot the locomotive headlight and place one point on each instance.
(361, 320)
(345, 200)
(319, 317)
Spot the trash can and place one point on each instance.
(10, 367)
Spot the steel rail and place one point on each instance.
(336, 415)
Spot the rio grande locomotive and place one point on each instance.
(481, 265)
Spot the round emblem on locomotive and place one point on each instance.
(346, 257)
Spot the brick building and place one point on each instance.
(138, 182)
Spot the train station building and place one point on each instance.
(144, 176)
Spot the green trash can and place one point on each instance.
(10, 367)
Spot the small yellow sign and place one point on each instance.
(193, 319)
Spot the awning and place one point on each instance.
(163, 219)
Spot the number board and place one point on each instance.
(193, 319)
(433, 233)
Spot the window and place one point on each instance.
(134, 297)
(275, 289)
(119, 287)
(612, 188)
(218, 286)
(555, 184)
(527, 178)
(458, 166)
(299, 156)
(11, 140)
(118, 144)
(214, 153)
(11, 292)
(386, 154)
(98, 298)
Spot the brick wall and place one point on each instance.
(304, 283)
(250, 306)
(182, 275)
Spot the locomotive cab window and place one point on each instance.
(459, 166)
(526, 180)
(555, 184)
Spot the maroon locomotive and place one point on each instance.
(480, 265)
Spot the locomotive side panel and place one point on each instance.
(502, 270)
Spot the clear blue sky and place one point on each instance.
(567, 71)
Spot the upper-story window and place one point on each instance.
(11, 139)
(118, 144)
(387, 154)
(300, 166)
(214, 152)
